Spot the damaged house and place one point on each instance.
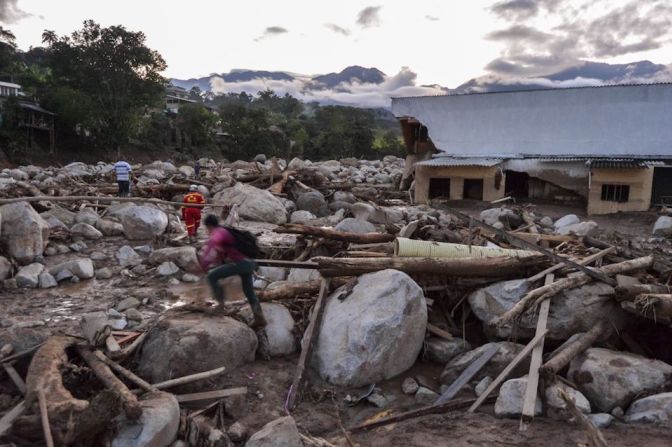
(609, 148)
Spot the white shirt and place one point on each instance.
(123, 170)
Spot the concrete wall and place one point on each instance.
(457, 174)
(570, 175)
(640, 181)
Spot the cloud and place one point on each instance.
(337, 29)
(272, 31)
(369, 17)
(11, 13)
(431, 18)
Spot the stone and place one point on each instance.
(184, 257)
(662, 227)
(253, 203)
(167, 269)
(426, 396)
(656, 409)
(374, 333)
(613, 378)
(5, 268)
(509, 403)
(55, 224)
(47, 281)
(86, 231)
(139, 269)
(353, 225)
(441, 351)
(134, 315)
(104, 273)
(87, 216)
(579, 229)
(143, 222)
(507, 351)
(344, 196)
(64, 275)
(190, 277)
(377, 398)
(409, 386)
(260, 158)
(303, 275)
(601, 420)
(127, 256)
(281, 432)
(313, 202)
(546, 222)
(618, 413)
(24, 232)
(81, 267)
(78, 246)
(301, 217)
(29, 276)
(336, 206)
(109, 227)
(362, 211)
(67, 217)
(279, 328)
(237, 432)
(127, 303)
(50, 251)
(569, 219)
(157, 427)
(556, 406)
(190, 344)
(98, 256)
(504, 215)
(482, 385)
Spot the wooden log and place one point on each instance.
(466, 375)
(16, 378)
(131, 405)
(286, 264)
(8, 419)
(527, 218)
(190, 378)
(631, 291)
(595, 438)
(128, 350)
(44, 417)
(576, 280)
(104, 199)
(18, 355)
(655, 305)
(505, 373)
(585, 261)
(434, 330)
(463, 267)
(329, 233)
(308, 345)
(289, 290)
(125, 372)
(571, 350)
(210, 395)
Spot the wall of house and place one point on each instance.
(640, 181)
(457, 174)
(570, 175)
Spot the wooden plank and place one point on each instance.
(16, 378)
(12, 415)
(128, 337)
(21, 354)
(434, 330)
(308, 345)
(535, 362)
(585, 261)
(190, 378)
(111, 345)
(466, 375)
(505, 373)
(210, 395)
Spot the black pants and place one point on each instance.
(244, 269)
(124, 188)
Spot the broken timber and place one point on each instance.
(595, 438)
(210, 395)
(12, 415)
(329, 233)
(585, 261)
(466, 375)
(571, 350)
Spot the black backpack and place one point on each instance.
(245, 242)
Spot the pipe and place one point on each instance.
(423, 249)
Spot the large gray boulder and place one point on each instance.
(157, 427)
(190, 344)
(184, 257)
(373, 333)
(109, 227)
(509, 403)
(353, 225)
(556, 406)
(612, 379)
(127, 256)
(65, 216)
(253, 203)
(506, 352)
(492, 301)
(29, 275)
(663, 226)
(279, 328)
(569, 219)
(313, 202)
(580, 229)
(82, 268)
(278, 433)
(143, 222)
(655, 409)
(24, 232)
(86, 231)
(87, 216)
(301, 217)
(504, 215)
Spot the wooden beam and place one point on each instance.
(8, 419)
(125, 372)
(16, 378)
(308, 345)
(190, 378)
(210, 395)
(285, 264)
(466, 375)
(571, 350)
(585, 261)
(434, 330)
(329, 233)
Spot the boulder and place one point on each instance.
(24, 232)
(409, 386)
(278, 433)
(509, 403)
(579, 229)
(104, 273)
(601, 420)
(362, 211)
(353, 225)
(301, 217)
(569, 219)
(344, 196)
(5, 268)
(167, 268)
(492, 301)
(127, 303)
(503, 215)
(29, 275)
(87, 216)
(442, 351)
(86, 231)
(373, 333)
(507, 351)
(253, 203)
(313, 202)
(612, 379)
(279, 328)
(237, 432)
(81, 268)
(482, 385)
(157, 427)
(184, 257)
(47, 281)
(127, 256)
(55, 224)
(663, 226)
(109, 227)
(426, 396)
(556, 406)
(652, 409)
(190, 344)
(143, 222)
(303, 275)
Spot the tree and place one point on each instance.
(197, 122)
(196, 94)
(8, 56)
(117, 73)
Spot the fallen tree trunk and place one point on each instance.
(576, 280)
(464, 267)
(654, 305)
(631, 291)
(569, 352)
(328, 233)
(287, 290)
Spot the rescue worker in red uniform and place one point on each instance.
(192, 214)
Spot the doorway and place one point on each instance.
(473, 189)
(517, 184)
(439, 187)
(661, 190)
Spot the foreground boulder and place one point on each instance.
(279, 328)
(82, 268)
(253, 203)
(184, 257)
(353, 225)
(313, 202)
(506, 352)
(157, 426)
(29, 275)
(509, 403)
(612, 379)
(373, 333)
(556, 406)
(652, 409)
(663, 226)
(24, 232)
(278, 433)
(143, 222)
(186, 345)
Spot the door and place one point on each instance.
(661, 190)
(473, 188)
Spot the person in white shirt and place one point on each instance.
(123, 171)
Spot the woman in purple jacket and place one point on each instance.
(221, 256)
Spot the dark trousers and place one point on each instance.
(245, 270)
(124, 188)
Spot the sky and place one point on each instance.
(444, 42)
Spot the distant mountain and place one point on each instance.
(350, 75)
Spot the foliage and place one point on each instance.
(197, 123)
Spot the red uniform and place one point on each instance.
(190, 214)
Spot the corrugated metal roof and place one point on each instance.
(617, 163)
(450, 161)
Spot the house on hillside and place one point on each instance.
(607, 147)
(175, 97)
(37, 122)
